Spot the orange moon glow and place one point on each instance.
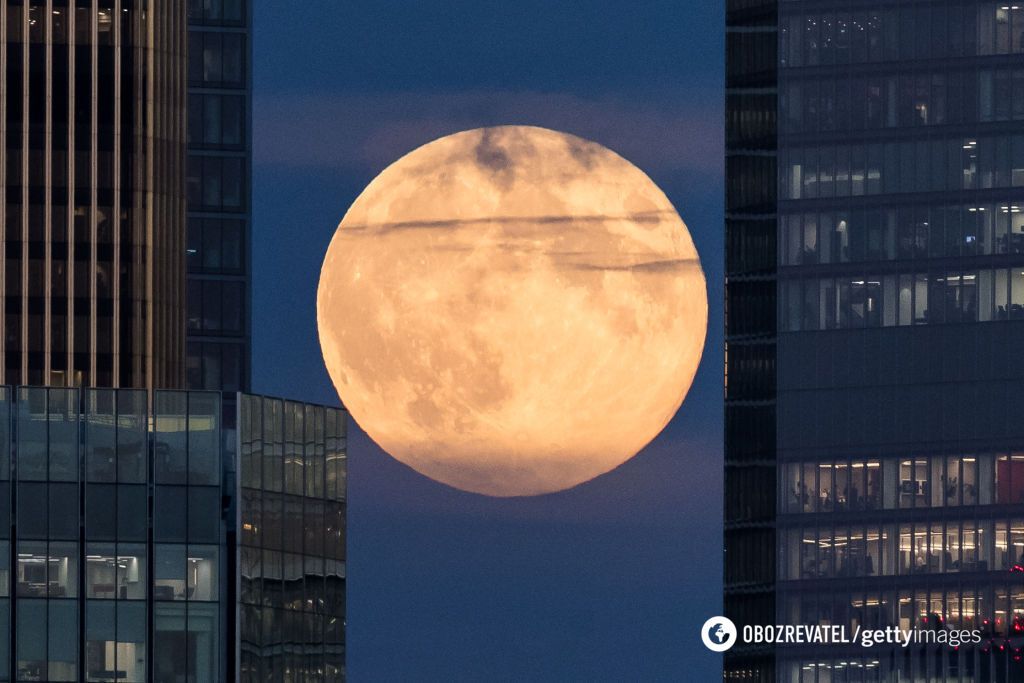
(512, 310)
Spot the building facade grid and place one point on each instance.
(219, 202)
(120, 516)
(900, 298)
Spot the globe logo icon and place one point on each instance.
(718, 634)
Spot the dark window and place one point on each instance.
(132, 512)
(32, 510)
(204, 514)
(101, 512)
(169, 513)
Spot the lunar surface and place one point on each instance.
(512, 310)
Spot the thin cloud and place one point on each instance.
(367, 132)
(391, 226)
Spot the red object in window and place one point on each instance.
(1010, 474)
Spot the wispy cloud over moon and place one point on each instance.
(367, 132)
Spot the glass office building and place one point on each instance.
(219, 218)
(890, 242)
(177, 542)
(93, 201)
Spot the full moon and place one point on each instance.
(512, 310)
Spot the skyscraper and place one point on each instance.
(219, 134)
(93, 210)
(147, 533)
(876, 298)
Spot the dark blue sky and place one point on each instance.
(610, 580)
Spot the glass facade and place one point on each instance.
(93, 199)
(292, 550)
(120, 521)
(218, 185)
(750, 334)
(895, 292)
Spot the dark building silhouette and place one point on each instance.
(750, 315)
(875, 232)
(219, 219)
(93, 207)
(148, 533)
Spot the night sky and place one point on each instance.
(612, 579)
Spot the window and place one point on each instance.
(216, 120)
(42, 573)
(204, 514)
(170, 513)
(32, 419)
(215, 245)
(115, 647)
(33, 510)
(169, 572)
(216, 182)
(101, 511)
(131, 436)
(5, 573)
(203, 438)
(203, 573)
(116, 572)
(170, 453)
(216, 58)
(132, 506)
(101, 436)
(216, 11)
(63, 435)
(63, 511)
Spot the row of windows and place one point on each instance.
(277, 644)
(910, 99)
(113, 512)
(58, 178)
(216, 183)
(292, 523)
(904, 483)
(995, 611)
(292, 581)
(58, 27)
(929, 663)
(309, 441)
(936, 165)
(907, 232)
(902, 550)
(115, 641)
(186, 431)
(77, 224)
(872, 300)
(112, 571)
(887, 33)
